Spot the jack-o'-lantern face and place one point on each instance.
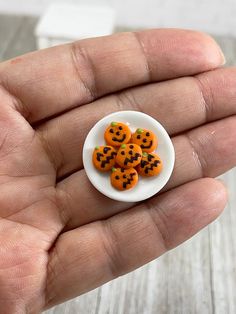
(151, 165)
(146, 139)
(104, 157)
(124, 179)
(117, 133)
(129, 156)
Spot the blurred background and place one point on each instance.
(199, 276)
(65, 20)
(214, 16)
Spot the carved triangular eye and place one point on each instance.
(106, 150)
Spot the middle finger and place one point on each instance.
(179, 104)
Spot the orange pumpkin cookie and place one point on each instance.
(146, 139)
(129, 156)
(151, 165)
(104, 157)
(117, 133)
(124, 179)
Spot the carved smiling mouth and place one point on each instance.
(115, 139)
(149, 165)
(106, 161)
(129, 180)
(131, 159)
(147, 146)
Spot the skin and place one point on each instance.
(59, 236)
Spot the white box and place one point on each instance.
(63, 23)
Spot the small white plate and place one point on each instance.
(146, 187)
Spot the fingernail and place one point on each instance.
(223, 62)
(224, 183)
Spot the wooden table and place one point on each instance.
(198, 277)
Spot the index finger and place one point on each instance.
(58, 79)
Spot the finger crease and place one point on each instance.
(195, 154)
(158, 218)
(54, 260)
(79, 55)
(46, 147)
(110, 245)
(16, 103)
(127, 99)
(206, 97)
(64, 203)
(144, 52)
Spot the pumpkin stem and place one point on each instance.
(139, 131)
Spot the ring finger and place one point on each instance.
(206, 151)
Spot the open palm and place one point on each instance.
(59, 237)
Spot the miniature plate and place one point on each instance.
(146, 187)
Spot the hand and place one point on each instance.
(60, 237)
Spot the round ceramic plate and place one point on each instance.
(146, 187)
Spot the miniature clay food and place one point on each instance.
(104, 157)
(124, 179)
(126, 151)
(117, 133)
(146, 139)
(129, 156)
(151, 165)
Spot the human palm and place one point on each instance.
(59, 236)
